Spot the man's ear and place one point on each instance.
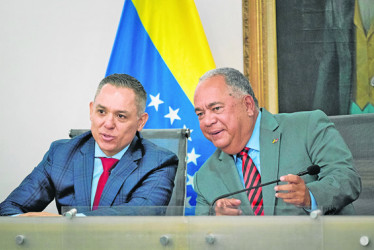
(142, 121)
(249, 105)
(91, 110)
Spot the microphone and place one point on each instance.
(311, 170)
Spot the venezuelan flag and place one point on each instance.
(162, 44)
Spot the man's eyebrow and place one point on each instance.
(197, 109)
(210, 105)
(214, 104)
(99, 106)
(122, 111)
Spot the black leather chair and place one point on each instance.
(358, 133)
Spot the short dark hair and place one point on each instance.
(127, 81)
(234, 79)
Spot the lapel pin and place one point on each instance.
(275, 140)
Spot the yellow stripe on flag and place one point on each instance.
(175, 28)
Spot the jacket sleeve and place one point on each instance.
(338, 183)
(34, 193)
(202, 205)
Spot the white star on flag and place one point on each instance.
(173, 115)
(189, 180)
(191, 157)
(188, 205)
(155, 101)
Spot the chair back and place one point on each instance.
(358, 132)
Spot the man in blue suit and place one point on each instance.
(70, 171)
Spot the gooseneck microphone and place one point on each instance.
(311, 170)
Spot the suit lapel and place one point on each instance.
(83, 171)
(122, 171)
(229, 175)
(270, 140)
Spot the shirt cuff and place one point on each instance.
(313, 203)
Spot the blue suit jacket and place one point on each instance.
(143, 177)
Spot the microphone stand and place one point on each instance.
(311, 170)
(230, 194)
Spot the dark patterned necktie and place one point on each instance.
(252, 178)
(107, 166)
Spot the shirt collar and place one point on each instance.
(100, 153)
(254, 141)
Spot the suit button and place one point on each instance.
(364, 241)
(20, 239)
(372, 81)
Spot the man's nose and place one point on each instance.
(109, 121)
(209, 119)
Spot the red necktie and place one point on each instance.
(252, 178)
(107, 166)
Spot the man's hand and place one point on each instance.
(228, 207)
(38, 214)
(294, 192)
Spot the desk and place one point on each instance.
(188, 232)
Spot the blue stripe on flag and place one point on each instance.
(135, 54)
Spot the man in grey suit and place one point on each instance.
(72, 173)
(277, 147)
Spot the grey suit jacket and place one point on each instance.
(304, 139)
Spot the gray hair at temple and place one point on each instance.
(238, 83)
(127, 81)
